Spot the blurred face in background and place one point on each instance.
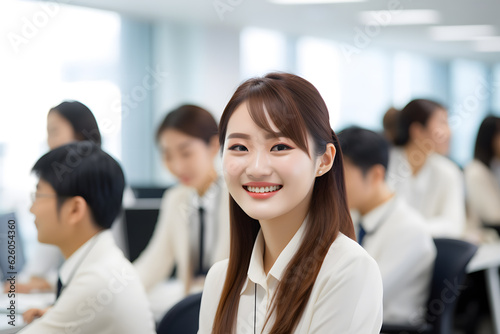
(59, 130)
(358, 187)
(435, 135)
(189, 159)
(438, 131)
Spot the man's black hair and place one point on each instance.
(84, 169)
(364, 148)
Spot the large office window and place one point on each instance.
(318, 62)
(50, 53)
(262, 51)
(471, 94)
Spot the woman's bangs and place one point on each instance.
(282, 112)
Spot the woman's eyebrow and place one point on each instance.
(269, 135)
(238, 135)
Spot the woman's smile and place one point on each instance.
(262, 190)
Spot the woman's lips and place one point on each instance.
(262, 190)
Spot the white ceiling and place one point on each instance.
(336, 21)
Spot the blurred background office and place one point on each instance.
(131, 61)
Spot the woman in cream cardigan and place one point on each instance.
(482, 178)
(192, 231)
(418, 173)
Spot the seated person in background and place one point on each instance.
(420, 174)
(393, 233)
(193, 224)
(482, 180)
(67, 122)
(78, 195)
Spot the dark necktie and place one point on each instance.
(59, 287)
(201, 270)
(361, 234)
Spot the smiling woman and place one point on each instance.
(293, 266)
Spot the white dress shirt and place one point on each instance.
(176, 232)
(101, 294)
(210, 202)
(397, 238)
(436, 191)
(346, 297)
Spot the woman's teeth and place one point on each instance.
(263, 189)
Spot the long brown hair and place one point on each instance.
(297, 109)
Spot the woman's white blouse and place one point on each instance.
(483, 192)
(436, 191)
(346, 297)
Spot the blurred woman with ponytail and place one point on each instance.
(294, 265)
(420, 173)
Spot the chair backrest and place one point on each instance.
(182, 318)
(447, 282)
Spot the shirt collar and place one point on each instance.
(209, 197)
(72, 263)
(256, 272)
(372, 220)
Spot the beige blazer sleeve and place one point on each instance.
(222, 250)
(157, 260)
(483, 192)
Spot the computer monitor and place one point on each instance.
(148, 192)
(140, 224)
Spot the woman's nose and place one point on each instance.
(259, 165)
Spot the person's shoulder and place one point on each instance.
(176, 189)
(218, 270)
(406, 219)
(106, 261)
(214, 282)
(476, 168)
(347, 253)
(444, 165)
(348, 264)
(406, 228)
(175, 194)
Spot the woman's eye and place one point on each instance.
(238, 148)
(281, 147)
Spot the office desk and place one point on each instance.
(487, 258)
(23, 303)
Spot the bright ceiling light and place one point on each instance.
(491, 44)
(461, 33)
(400, 17)
(310, 2)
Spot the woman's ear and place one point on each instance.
(326, 160)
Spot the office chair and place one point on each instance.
(182, 318)
(449, 274)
